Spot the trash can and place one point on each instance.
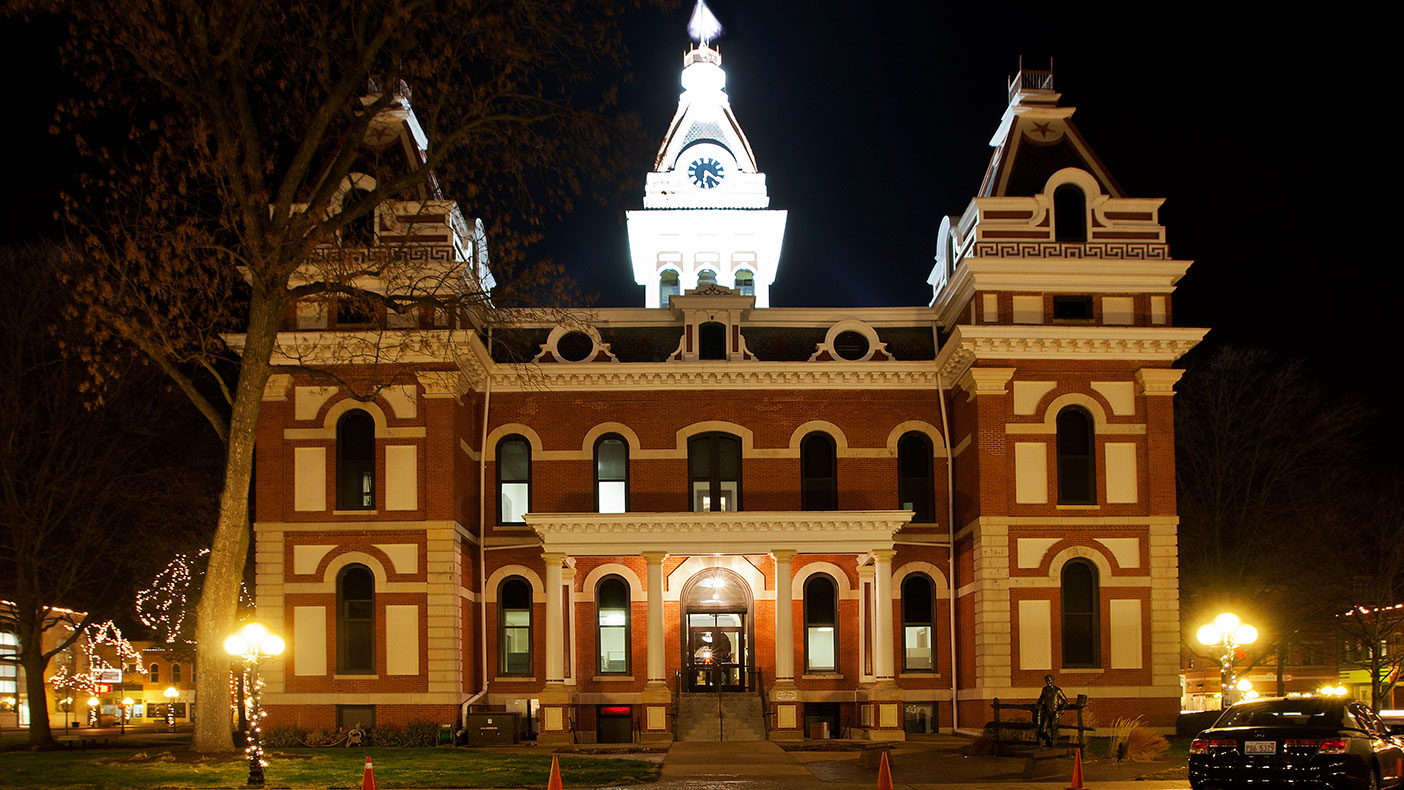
(819, 730)
(445, 735)
(491, 729)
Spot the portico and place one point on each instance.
(727, 613)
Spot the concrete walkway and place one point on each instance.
(732, 760)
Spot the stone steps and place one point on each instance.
(736, 717)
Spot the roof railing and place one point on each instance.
(1030, 80)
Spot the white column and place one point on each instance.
(570, 659)
(656, 664)
(882, 618)
(784, 611)
(555, 653)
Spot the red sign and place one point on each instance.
(614, 710)
(102, 688)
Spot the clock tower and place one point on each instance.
(706, 218)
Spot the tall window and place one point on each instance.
(175, 673)
(9, 669)
(667, 287)
(706, 277)
(611, 474)
(1069, 213)
(360, 231)
(612, 626)
(355, 461)
(513, 479)
(714, 472)
(711, 340)
(1080, 615)
(514, 627)
(1077, 473)
(918, 623)
(818, 473)
(355, 623)
(746, 282)
(915, 485)
(154, 673)
(820, 624)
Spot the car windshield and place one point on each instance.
(1306, 712)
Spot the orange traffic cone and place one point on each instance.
(554, 783)
(1077, 771)
(884, 774)
(368, 778)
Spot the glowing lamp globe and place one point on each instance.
(170, 692)
(93, 702)
(254, 633)
(1227, 622)
(127, 701)
(1244, 685)
(1209, 635)
(273, 645)
(1245, 634)
(236, 645)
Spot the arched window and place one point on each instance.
(706, 277)
(1077, 472)
(918, 623)
(514, 626)
(1069, 213)
(820, 624)
(360, 231)
(1081, 608)
(154, 672)
(746, 282)
(612, 626)
(818, 472)
(711, 340)
(714, 472)
(667, 287)
(611, 474)
(513, 479)
(175, 673)
(355, 621)
(915, 484)
(355, 461)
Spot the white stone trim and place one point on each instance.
(638, 591)
(743, 532)
(494, 580)
(938, 578)
(938, 443)
(741, 566)
(797, 579)
(507, 429)
(822, 426)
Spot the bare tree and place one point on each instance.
(82, 488)
(1366, 564)
(253, 141)
(1262, 458)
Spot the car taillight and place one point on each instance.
(1322, 746)
(1203, 745)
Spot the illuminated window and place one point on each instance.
(714, 472)
(513, 479)
(612, 625)
(1069, 213)
(711, 340)
(918, 623)
(175, 673)
(1080, 615)
(915, 485)
(514, 626)
(355, 461)
(1077, 478)
(611, 474)
(818, 473)
(706, 277)
(746, 282)
(820, 624)
(355, 624)
(667, 287)
(153, 672)
(9, 669)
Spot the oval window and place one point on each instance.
(575, 346)
(851, 345)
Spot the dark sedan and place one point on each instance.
(1307, 742)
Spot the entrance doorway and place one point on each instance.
(716, 635)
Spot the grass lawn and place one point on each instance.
(312, 768)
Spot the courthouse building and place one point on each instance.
(850, 522)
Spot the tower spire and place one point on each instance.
(703, 26)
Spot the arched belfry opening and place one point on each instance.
(718, 631)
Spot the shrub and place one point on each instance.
(421, 733)
(1120, 729)
(318, 738)
(284, 737)
(1143, 746)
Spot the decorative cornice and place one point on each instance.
(816, 532)
(277, 387)
(1158, 381)
(442, 383)
(968, 343)
(986, 381)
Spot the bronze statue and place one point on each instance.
(1051, 702)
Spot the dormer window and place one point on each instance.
(706, 277)
(746, 282)
(711, 340)
(1069, 213)
(667, 287)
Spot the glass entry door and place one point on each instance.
(717, 651)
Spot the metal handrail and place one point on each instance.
(765, 706)
(721, 718)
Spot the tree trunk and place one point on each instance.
(219, 600)
(32, 658)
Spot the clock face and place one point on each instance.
(706, 172)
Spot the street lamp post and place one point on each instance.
(170, 693)
(93, 703)
(125, 713)
(254, 644)
(67, 704)
(1229, 633)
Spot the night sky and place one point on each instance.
(1269, 134)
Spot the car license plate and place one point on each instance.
(1260, 747)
